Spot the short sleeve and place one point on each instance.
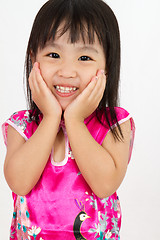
(99, 131)
(122, 116)
(21, 122)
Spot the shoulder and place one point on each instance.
(100, 130)
(125, 119)
(121, 148)
(122, 115)
(21, 122)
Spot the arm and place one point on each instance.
(25, 161)
(103, 167)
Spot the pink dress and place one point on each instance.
(62, 205)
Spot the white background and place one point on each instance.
(139, 22)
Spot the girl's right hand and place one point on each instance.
(42, 95)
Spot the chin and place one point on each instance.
(64, 106)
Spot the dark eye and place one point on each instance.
(54, 55)
(85, 58)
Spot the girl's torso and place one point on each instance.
(62, 205)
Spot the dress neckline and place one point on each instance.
(65, 160)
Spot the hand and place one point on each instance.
(87, 102)
(42, 95)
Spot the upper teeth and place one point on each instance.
(65, 89)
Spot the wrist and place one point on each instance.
(73, 119)
(53, 114)
(49, 118)
(73, 122)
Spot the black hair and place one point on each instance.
(82, 18)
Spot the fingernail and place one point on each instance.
(100, 72)
(94, 78)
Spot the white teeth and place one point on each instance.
(65, 89)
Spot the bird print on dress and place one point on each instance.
(80, 218)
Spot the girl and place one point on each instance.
(68, 154)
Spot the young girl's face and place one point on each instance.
(68, 68)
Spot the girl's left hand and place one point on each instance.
(87, 102)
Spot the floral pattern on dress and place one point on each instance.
(21, 228)
(70, 154)
(34, 231)
(105, 229)
(21, 123)
(12, 233)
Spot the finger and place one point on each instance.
(41, 84)
(36, 81)
(99, 87)
(99, 91)
(35, 87)
(32, 81)
(88, 90)
(101, 80)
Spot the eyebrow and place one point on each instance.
(79, 48)
(88, 48)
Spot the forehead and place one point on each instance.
(63, 42)
(74, 34)
(83, 38)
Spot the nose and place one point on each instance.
(67, 70)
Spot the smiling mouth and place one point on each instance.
(62, 89)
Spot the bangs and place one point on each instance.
(63, 16)
(78, 30)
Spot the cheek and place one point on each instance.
(87, 76)
(85, 81)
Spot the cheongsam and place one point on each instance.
(62, 205)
